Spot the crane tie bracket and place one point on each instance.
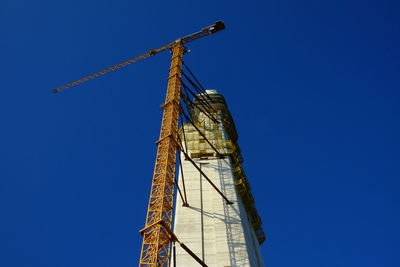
(162, 106)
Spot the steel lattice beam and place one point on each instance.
(156, 240)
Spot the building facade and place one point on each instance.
(221, 234)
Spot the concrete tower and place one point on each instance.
(221, 235)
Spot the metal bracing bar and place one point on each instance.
(180, 193)
(180, 163)
(208, 179)
(183, 130)
(187, 102)
(205, 138)
(201, 94)
(174, 253)
(194, 77)
(173, 237)
(193, 255)
(185, 203)
(200, 99)
(204, 111)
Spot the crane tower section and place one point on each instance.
(220, 233)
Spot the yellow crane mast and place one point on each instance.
(157, 233)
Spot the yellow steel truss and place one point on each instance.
(156, 236)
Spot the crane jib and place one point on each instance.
(218, 26)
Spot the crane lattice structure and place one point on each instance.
(157, 233)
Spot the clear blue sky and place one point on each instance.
(313, 87)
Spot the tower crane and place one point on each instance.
(157, 233)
